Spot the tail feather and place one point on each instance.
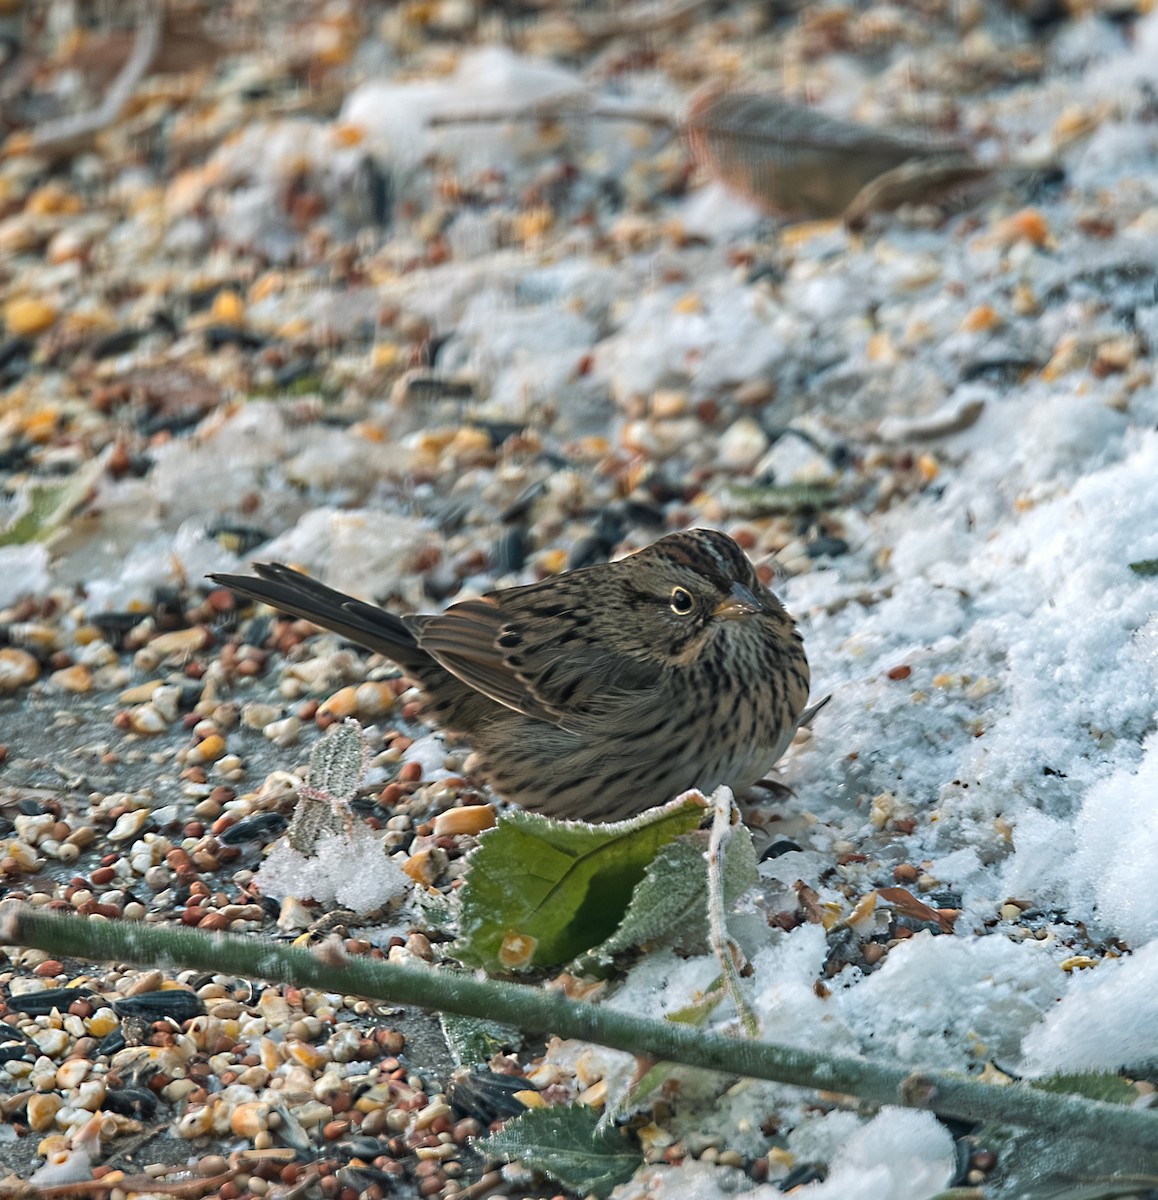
(292, 592)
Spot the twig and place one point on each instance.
(53, 135)
(185, 1189)
(555, 110)
(490, 1182)
(541, 1013)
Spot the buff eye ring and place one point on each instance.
(682, 601)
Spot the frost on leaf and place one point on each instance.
(566, 1144)
(670, 904)
(541, 891)
(328, 855)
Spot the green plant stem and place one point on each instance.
(540, 1012)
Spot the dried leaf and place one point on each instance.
(810, 905)
(798, 162)
(102, 56)
(909, 906)
(916, 182)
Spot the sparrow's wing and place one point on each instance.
(532, 657)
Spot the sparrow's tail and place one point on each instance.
(292, 592)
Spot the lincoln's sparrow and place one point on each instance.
(601, 692)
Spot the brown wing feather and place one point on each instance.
(535, 664)
(464, 640)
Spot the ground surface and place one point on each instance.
(288, 305)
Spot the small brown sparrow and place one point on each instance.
(601, 692)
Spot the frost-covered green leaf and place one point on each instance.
(566, 1144)
(1035, 1163)
(338, 760)
(435, 910)
(337, 763)
(1146, 567)
(697, 1011)
(1140, 1187)
(1094, 1085)
(728, 828)
(670, 903)
(314, 819)
(541, 891)
(473, 1040)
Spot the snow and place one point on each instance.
(1106, 877)
(1022, 643)
(358, 551)
(949, 1002)
(22, 569)
(898, 1155)
(350, 869)
(395, 117)
(1076, 1035)
(730, 335)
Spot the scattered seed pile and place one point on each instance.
(430, 298)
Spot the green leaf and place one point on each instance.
(46, 506)
(566, 1143)
(670, 904)
(541, 891)
(771, 500)
(436, 910)
(1093, 1085)
(697, 1011)
(1146, 567)
(473, 1040)
(314, 819)
(1036, 1164)
(337, 762)
(1108, 1187)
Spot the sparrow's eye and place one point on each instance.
(682, 601)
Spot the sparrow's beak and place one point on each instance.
(741, 602)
